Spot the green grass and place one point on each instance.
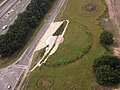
(79, 71)
(76, 43)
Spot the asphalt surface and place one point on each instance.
(11, 14)
(25, 59)
(9, 77)
(11, 74)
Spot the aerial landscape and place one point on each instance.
(59, 45)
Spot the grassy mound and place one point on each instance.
(77, 43)
(89, 9)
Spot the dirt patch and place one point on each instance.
(72, 85)
(45, 82)
(116, 51)
(89, 8)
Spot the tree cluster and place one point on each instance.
(23, 27)
(106, 38)
(107, 70)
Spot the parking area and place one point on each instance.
(10, 77)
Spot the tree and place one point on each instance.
(106, 38)
(107, 76)
(23, 27)
(112, 61)
(107, 70)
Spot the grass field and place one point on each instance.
(77, 75)
(77, 42)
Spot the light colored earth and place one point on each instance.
(51, 30)
(116, 51)
(49, 39)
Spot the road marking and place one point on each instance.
(6, 84)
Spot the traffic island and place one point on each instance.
(52, 42)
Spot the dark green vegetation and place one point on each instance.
(76, 75)
(23, 27)
(106, 38)
(107, 70)
(45, 82)
(60, 29)
(37, 56)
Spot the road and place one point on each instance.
(6, 6)
(25, 59)
(11, 13)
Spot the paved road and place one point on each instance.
(9, 77)
(25, 59)
(30, 50)
(12, 13)
(5, 7)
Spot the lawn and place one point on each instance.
(83, 30)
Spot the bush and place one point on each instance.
(107, 76)
(107, 70)
(106, 38)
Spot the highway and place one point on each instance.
(25, 60)
(6, 6)
(12, 12)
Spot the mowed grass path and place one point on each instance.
(80, 71)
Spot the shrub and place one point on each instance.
(106, 38)
(107, 70)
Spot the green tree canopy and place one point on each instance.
(107, 76)
(106, 38)
(23, 27)
(107, 70)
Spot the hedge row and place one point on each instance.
(23, 27)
